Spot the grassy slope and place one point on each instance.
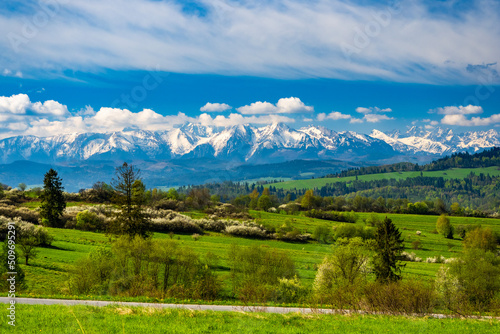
(113, 319)
(47, 274)
(455, 173)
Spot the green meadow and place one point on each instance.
(48, 273)
(454, 173)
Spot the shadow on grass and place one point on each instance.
(57, 248)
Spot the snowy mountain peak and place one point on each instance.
(276, 142)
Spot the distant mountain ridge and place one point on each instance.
(245, 144)
(438, 141)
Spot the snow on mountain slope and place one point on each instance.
(273, 143)
(438, 141)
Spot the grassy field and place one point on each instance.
(455, 173)
(119, 319)
(47, 274)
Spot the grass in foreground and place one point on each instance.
(120, 319)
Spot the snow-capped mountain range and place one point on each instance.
(243, 143)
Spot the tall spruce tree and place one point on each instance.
(53, 203)
(388, 246)
(129, 195)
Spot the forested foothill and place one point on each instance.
(252, 244)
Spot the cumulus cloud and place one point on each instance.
(460, 110)
(334, 115)
(289, 105)
(237, 119)
(363, 110)
(294, 38)
(215, 107)
(459, 116)
(372, 115)
(49, 107)
(20, 104)
(375, 118)
(461, 120)
(15, 104)
(19, 116)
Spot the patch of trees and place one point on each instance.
(145, 267)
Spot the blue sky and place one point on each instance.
(76, 66)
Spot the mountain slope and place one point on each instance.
(246, 144)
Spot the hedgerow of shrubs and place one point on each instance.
(25, 214)
(347, 217)
(143, 267)
(353, 231)
(25, 228)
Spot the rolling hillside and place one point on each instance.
(454, 173)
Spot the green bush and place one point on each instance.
(347, 217)
(443, 226)
(89, 221)
(142, 267)
(481, 238)
(353, 231)
(341, 277)
(401, 297)
(256, 271)
(322, 233)
(471, 282)
(290, 290)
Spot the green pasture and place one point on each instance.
(455, 173)
(47, 274)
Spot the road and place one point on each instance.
(229, 308)
(226, 308)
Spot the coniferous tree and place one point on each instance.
(53, 202)
(388, 246)
(129, 195)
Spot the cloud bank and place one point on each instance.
(457, 116)
(350, 40)
(20, 116)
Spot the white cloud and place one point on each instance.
(258, 108)
(460, 119)
(237, 119)
(460, 110)
(20, 104)
(50, 107)
(87, 111)
(293, 38)
(15, 104)
(375, 118)
(289, 105)
(292, 105)
(215, 107)
(52, 118)
(363, 110)
(8, 73)
(334, 115)
(372, 115)
(434, 123)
